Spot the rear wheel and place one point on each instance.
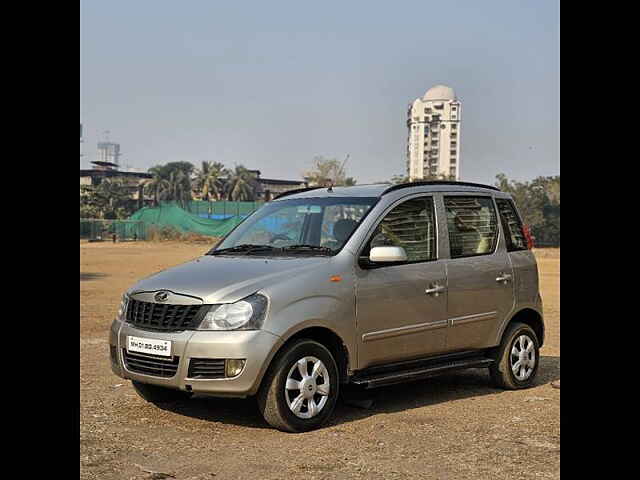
(300, 389)
(516, 359)
(155, 394)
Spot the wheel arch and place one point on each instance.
(528, 316)
(327, 337)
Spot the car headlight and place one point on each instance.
(246, 314)
(122, 310)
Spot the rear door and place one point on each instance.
(480, 277)
(525, 270)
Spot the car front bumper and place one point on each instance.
(256, 346)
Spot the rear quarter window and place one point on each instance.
(513, 232)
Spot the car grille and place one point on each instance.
(206, 368)
(156, 316)
(150, 364)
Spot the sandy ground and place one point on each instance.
(448, 427)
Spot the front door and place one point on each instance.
(479, 273)
(402, 308)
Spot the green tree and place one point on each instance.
(111, 199)
(349, 182)
(539, 204)
(91, 205)
(180, 188)
(241, 185)
(158, 186)
(327, 171)
(171, 183)
(397, 179)
(165, 170)
(209, 181)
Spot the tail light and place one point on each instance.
(527, 235)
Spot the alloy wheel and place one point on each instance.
(307, 388)
(523, 358)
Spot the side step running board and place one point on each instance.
(417, 373)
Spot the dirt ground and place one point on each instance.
(449, 427)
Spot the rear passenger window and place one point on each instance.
(511, 225)
(472, 224)
(411, 226)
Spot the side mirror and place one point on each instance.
(387, 254)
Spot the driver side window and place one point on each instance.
(339, 222)
(410, 225)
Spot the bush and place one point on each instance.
(170, 234)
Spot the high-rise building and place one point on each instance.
(433, 143)
(109, 152)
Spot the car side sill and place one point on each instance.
(383, 375)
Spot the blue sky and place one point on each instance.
(269, 85)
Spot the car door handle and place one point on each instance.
(435, 290)
(503, 277)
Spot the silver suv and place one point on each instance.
(328, 287)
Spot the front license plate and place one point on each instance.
(147, 345)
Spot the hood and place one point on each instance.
(226, 279)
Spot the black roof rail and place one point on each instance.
(437, 182)
(297, 190)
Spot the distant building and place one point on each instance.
(268, 188)
(109, 152)
(433, 143)
(104, 169)
(135, 181)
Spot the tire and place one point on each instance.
(507, 357)
(156, 395)
(284, 385)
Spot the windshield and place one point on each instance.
(301, 226)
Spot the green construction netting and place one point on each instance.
(170, 215)
(219, 209)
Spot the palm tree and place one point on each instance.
(170, 184)
(241, 185)
(180, 188)
(209, 180)
(158, 186)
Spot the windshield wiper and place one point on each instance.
(303, 247)
(250, 248)
(244, 248)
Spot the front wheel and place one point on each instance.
(300, 389)
(516, 359)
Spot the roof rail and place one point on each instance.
(437, 182)
(297, 190)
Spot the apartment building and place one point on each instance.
(433, 142)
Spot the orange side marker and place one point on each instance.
(335, 278)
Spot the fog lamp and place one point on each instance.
(234, 367)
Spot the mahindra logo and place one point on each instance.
(161, 296)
